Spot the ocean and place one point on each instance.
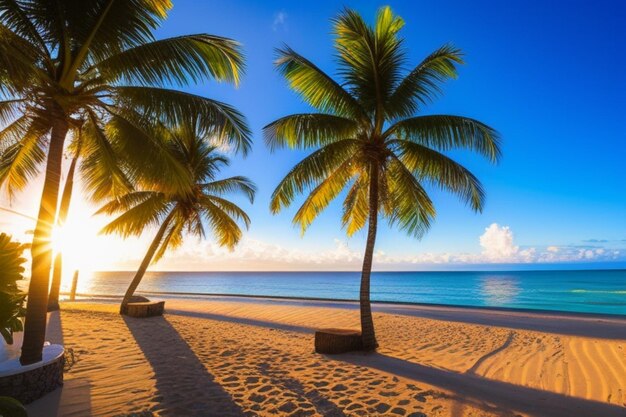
(588, 291)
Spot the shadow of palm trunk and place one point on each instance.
(508, 398)
(322, 404)
(185, 387)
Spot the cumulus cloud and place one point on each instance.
(497, 243)
(280, 21)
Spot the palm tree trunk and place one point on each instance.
(57, 272)
(145, 263)
(368, 334)
(41, 249)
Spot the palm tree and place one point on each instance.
(71, 60)
(368, 138)
(177, 213)
(64, 207)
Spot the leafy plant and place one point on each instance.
(10, 407)
(11, 298)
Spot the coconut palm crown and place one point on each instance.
(182, 213)
(76, 65)
(370, 137)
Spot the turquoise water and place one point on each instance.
(577, 291)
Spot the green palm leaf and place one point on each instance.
(231, 185)
(369, 59)
(225, 228)
(321, 196)
(315, 87)
(21, 161)
(438, 169)
(175, 61)
(231, 209)
(445, 132)
(173, 237)
(422, 85)
(308, 130)
(356, 206)
(126, 202)
(101, 168)
(146, 213)
(311, 171)
(413, 208)
(220, 122)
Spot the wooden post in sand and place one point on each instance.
(337, 341)
(74, 283)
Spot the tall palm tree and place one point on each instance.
(65, 61)
(178, 213)
(64, 207)
(368, 137)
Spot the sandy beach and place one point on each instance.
(244, 356)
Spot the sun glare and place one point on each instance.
(83, 248)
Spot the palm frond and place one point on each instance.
(225, 228)
(356, 205)
(311, 171)
(308, 130)
(321, 196)
(101, 167)
(220, 122)
(19, 61)
(413, 208)
(14, 132)
(231, 185)
(10, 110)
(102, 28)
(148, 155)
(21, 162)
(149, 212)
(176, 60)
(441, 171)
(423, 84)
(126, 202)
(443, 132)
(370, 59)
(172, 239)
(230, 208)
(14, 17)
(316, 87)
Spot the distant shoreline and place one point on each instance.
(355, 302)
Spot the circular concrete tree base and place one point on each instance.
(30, 382)
(337, 341)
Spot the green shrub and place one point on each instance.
(10, 407)
(11, 298)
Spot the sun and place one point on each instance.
(81, 244)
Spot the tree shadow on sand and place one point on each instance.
(74, 397)
(322, 404)
(184, 387)
(485, 393)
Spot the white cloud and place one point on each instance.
(280, 21)
(497, 243)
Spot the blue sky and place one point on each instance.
(549, 75)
